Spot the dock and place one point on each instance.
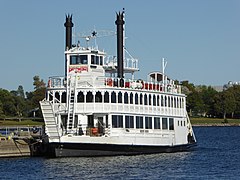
(18, 141)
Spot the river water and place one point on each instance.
(217, 156)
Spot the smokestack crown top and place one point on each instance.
(68, 22)
(120, 17)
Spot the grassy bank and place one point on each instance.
(23, 122)
(214, 121)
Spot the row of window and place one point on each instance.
(83, 59)
(141, 122)
(126, 98)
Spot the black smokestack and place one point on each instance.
(68, 24)
(119, 22)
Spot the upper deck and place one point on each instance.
(86, 81)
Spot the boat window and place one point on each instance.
(89, 97)
(101, 60)
(145, 99)
(131, 98)
(158, 99)
(154, 100)
(120, 97)
(169, 101)
(162, 100)
(78, 59)
(129, 122)
(98, 97)
(113, 97)
(171, 124)
(164, 123)
(139, 122)
(136, 98)
(80, 97)
(165, 101)
(97, 60)
(106, 97)
(141, 98)
(64, 97)
(150, 99)
(157, 124)
(92, 59)
(117, 121)
(148, 122)
(125, 98)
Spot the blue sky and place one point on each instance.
(199, 39)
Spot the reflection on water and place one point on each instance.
(216, 157)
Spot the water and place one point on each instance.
(216, 157)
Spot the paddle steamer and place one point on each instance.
(94, 110)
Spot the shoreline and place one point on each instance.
(215, 124)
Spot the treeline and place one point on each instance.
(202, 101)
(205, 101)
(20, 104)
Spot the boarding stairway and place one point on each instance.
(51, 127)
(71, 103)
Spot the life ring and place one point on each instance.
(94, 131)
(109, 82)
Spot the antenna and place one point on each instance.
(94, 34)
(164, 64)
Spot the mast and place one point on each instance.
(164, 64)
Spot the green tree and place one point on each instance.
(1, 109)
(7, 100)
(37, 95)
(37, 83)
(20, 92)
(225, 103)
(207, 94)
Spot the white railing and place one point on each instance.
(56, 82)
(128, 108)
(90, 81)
(128, 63)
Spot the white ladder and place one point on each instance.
(71, 103)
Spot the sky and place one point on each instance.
(200, 40)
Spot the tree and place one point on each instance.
(207, 95)
(225, 103)
(37, 95)
(1, 109)
(38, 83)
(7, 100)
(20, 92)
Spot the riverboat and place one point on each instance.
(94, 110)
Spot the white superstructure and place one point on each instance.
(93, 111)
